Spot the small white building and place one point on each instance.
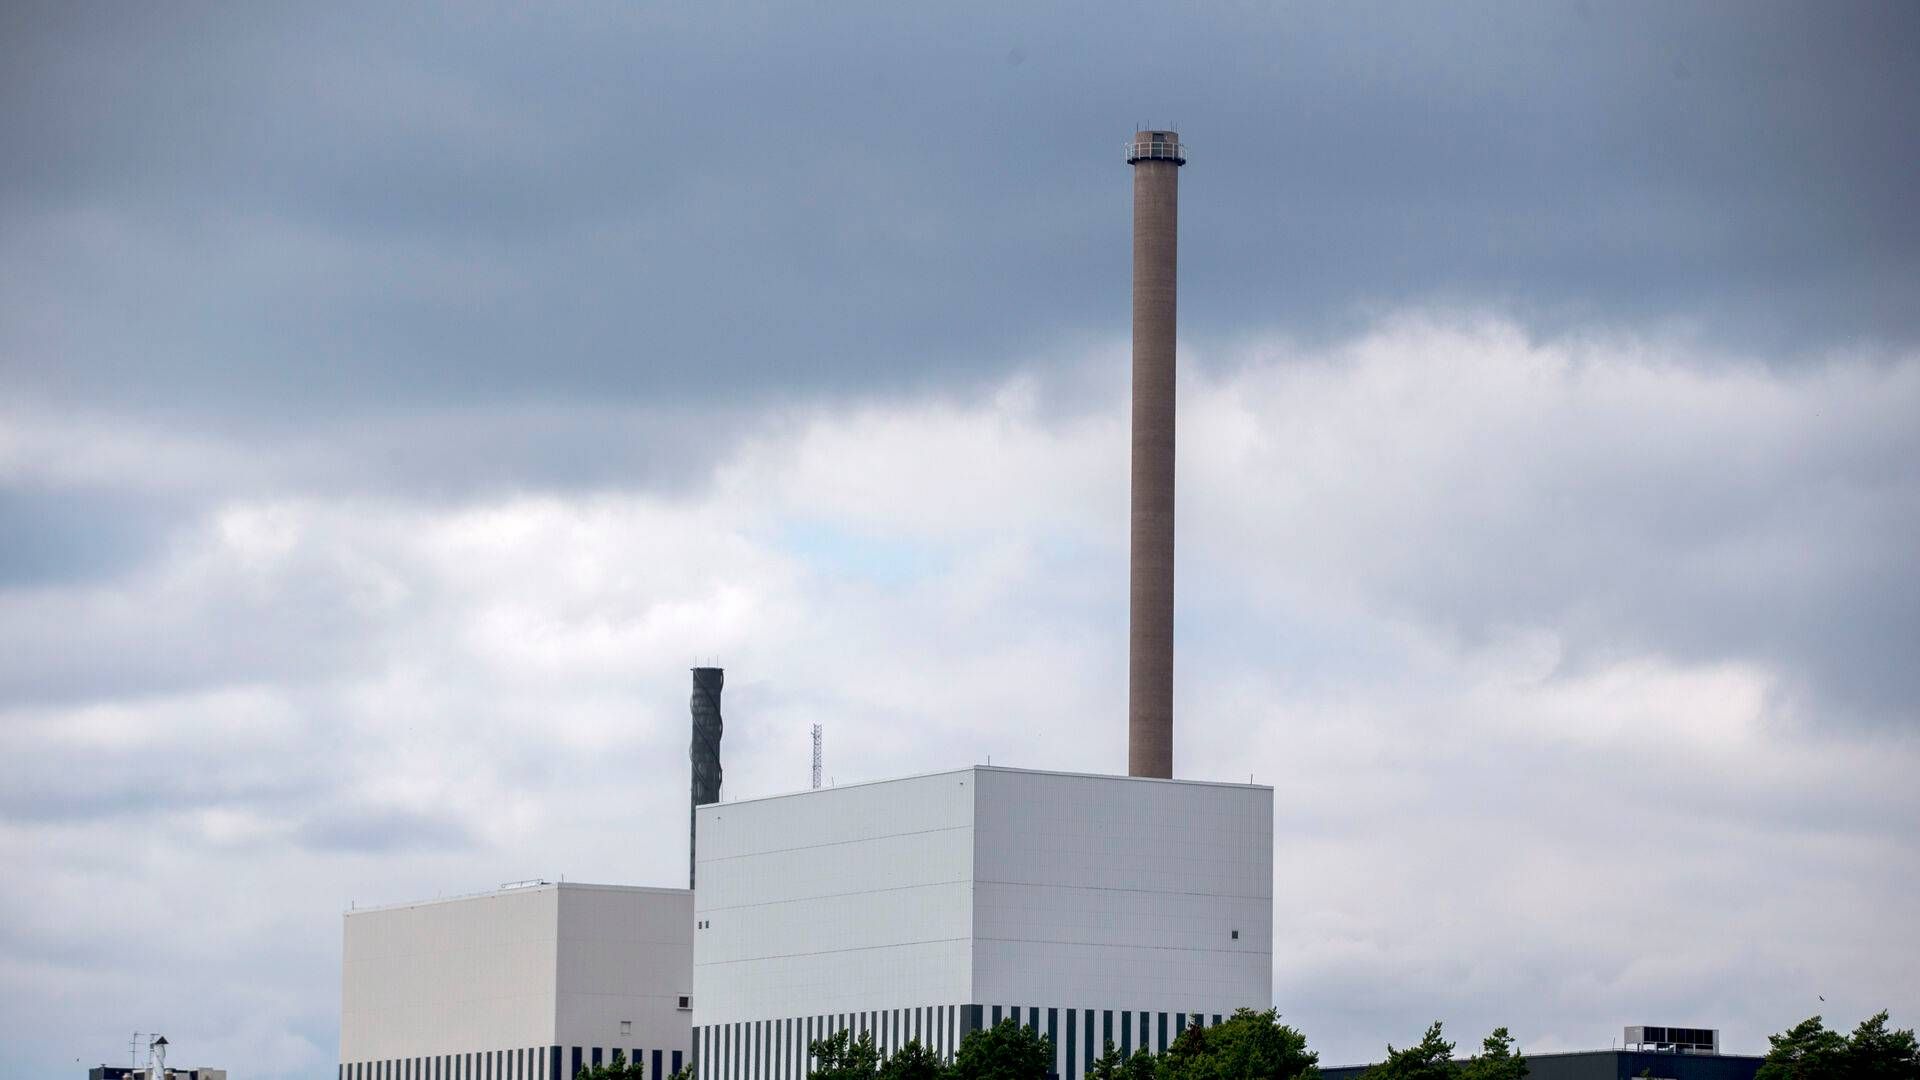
(1088, 907)
(527, 983)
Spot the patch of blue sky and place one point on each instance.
(1225, 628)
(829, 549)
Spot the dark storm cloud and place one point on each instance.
(342, 211)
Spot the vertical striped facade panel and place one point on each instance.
(781, 1049)
(517, 1063)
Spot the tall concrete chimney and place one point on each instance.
(706, 749)
(1156, 157)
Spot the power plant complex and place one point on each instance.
(1092, 909)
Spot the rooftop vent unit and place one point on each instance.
(1673, 1040)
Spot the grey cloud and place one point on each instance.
(63, 535)
(201, 630)
(1707, 514)
(106, 785)
(378, 830)
(246, 754)
(337, 211)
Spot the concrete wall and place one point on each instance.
(624, 954)
(449, 976)
(517, 973)
(1122, 894)
(835, 901)
(1092, 905)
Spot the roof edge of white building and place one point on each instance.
(988, 768)
(516, 890)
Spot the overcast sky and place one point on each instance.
(394, 402)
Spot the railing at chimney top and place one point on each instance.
(1156, 150)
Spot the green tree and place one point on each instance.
(1248, 1045)
(913, 1062)
(1429, 1059)
(1874, 1053)
(1805, 1051)
(1141, 1066)
(1109, 1065)
(1496, 1059)
(1006, 1051)
(1112, 1065)
(840, 1056)
(617, 1069)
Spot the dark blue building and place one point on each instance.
(1614, 1065)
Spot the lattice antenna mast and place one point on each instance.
(816, 755)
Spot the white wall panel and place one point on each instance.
(1122, 891)
(625, 954)
(838, 900)
(517, 968)
(986, 885)
(449, 976)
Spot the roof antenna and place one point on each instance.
(816, 756)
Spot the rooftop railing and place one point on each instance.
(1156, 150)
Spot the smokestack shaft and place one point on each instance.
(1156, 158)
(705, 752)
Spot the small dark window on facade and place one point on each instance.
(1236, 935)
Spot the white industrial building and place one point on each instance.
(526, 983)
(1089, 907)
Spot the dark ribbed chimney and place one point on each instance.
(706, 749)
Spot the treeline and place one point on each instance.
(1246, 1044)
(1808, 1051)
(1432, 1059)
(1253, 1045)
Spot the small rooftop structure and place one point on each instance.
(1677, 1040)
